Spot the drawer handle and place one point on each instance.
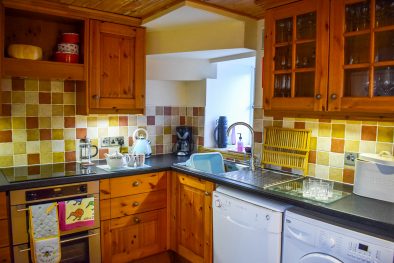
(136, 204)
(136, 183)
(137, 220)
(206, 193)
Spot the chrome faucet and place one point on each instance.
(251, 161)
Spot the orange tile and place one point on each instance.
(69, 122)
(70, 156)
(45, 134)
(44, 97)
(312, 157)
(69, 110)
(31, 122)
(18, 84)
(6, 97)
(368, 133)
(33, 158)
(33, 135)
(348, 176)
(69, 86)
(101, 153)
(81, 133)
(299, 125)
(6, 136)
(123, 121)
(337, 145)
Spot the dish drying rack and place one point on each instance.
(286, 147)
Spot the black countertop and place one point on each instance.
(369, 214)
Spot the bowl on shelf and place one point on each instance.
(22, 51)
(66, 57)
(71, 38)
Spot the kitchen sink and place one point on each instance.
(230, 166)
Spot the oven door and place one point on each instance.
(79, 247)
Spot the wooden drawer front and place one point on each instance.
(3, 205)
(137, 184)
(133, 237)
(4, 238)
(128, 205)
(5, 255)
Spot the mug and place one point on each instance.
(130, 160)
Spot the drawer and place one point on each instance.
(4, 237)
(132, 204)
(3, 205)
(137, 184)
(5, 255)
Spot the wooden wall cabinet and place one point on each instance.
(333, 59)
(191, 217)
(117, 68)
(5, 254)
(133, 217)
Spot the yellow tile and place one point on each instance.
(311, 169)
(322, 158)
(353, 132)
(31, 97)
(92, 121)
(338, 121)
(18, 122)
(374, 123)
(45, 146)
(324, 129)
(58, 157)
(5, 123)
(57, 122)
(313, 143)
(57, 110)
(31, 110)
(69, 98)
(367, 147)
(31, 85)
(33, 147)
(386, 123)
(385, 134)
(113, 121)
(45, 85)
(338, 131)
(6, 148)
(314, 127)
(69, 110)
(33, 135)
(57, 134)
(95, 142)
(352, 146)
(46, 157)
(276, 123)
(19, 136)
(69, 145)
(18, 97)
(336, 174)
(6, 161)
(19, 147)
(353, 122)
(45, 110)
(159, 139)
(18, 110)
(382, 146)
(167, 129)
(69, 134)
(44, 122)
(20, 160)
(57, 86)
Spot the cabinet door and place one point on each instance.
(133, 237)
(117, 68)
(193, 218)
(361, 56)
(296, 56)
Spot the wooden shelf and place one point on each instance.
(300, 70)
(384, 28)
(282, 71)
(356, 66)
(305, 41)
(43, 69)
(284, 44)
(384, 63)
(357, 33)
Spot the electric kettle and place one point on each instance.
(141, 143)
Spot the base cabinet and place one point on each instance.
(191, 218)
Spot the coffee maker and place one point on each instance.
(184, 143)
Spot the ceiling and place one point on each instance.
(145, 8)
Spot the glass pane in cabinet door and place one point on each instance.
(306, 26)
(384, 14)
(357, 49)
(305, 55)
(304, 84)
(282, 85)
(384, 45)
(356, 83)
(357, 16)
(283, 58)
(284, 30)
(384, 81)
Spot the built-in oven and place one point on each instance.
(81, 244)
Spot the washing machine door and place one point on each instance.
(318, 258)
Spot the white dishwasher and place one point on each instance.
(246, 227)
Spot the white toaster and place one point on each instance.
(374, 176)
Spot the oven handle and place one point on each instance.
(27, 209)
(64, 241)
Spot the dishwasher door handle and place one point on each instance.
(236, 222)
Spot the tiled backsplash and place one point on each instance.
(39, 124)
(331, 139)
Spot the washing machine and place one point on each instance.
(309, 240)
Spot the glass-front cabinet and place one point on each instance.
(296, 56)
(362, 56)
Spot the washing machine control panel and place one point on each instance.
(361, 251)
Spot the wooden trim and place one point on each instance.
(2, 33)
(4, 237)
(3, 206)
(140, 68)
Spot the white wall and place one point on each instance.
(229, 95)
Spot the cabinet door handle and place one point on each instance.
(333, 96)
(136, 183)
(135, 204)
(96, 97)
(137, 220)
(318, 96)
(206, 193)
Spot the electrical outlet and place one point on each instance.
(105, 142)
(112, 141)
(350, 158)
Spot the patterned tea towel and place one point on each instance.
(76, 213)
(44, 233)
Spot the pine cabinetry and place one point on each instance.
(334, 59)
(117, 68)
(133, 216)
(5, 255)
(191, 217)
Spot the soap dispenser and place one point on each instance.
(240, 144)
